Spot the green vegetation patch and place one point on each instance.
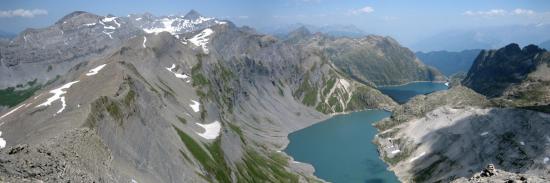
(215, 165)
(237, 130)
(258, 168)
(308, 91)
(12, 96)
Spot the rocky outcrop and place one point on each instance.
(493, 175)
(496, 71)
(77, 155)
(450, 135)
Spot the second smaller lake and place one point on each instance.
(403, 93)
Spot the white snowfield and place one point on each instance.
(211, 131)
(195, 106)
(201, 39)
(545, 160)
(416, 157)
(95, 70)
(181, 76)
(58, 94)
(484, 133)
(180, 24)
(144, 41)
(108, 19)
(2, 141)
(111, 19)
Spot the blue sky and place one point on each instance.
(406, 20)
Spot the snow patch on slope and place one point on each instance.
(2, 141)
(95, 70)
(417, 157)
(144, 41)
(201, 39)
(211, 131)
(181, 76)
(178, 25)
(195, 106)
(58, 94)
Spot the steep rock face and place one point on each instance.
(452, 134)
(496, 71)
(374, 60)
(209, 105)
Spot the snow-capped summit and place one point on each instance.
(174, 24)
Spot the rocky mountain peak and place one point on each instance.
(74, 16)
(530, 49)
(300, 32)
(495, 71)
(192, 15)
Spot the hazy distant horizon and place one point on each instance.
(408, 22)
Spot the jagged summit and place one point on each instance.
(496, 71)
(192, 15)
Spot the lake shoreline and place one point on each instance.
(411, 82)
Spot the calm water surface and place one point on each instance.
(341, 148)
(403, 93)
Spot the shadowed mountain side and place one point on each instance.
(514, 140)
(495, 71)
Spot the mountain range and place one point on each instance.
(145, 98)
(187, 98)
(483, 38)
(331, 30)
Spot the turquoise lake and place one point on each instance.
(341, 148)
(403, 93)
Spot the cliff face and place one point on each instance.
(495, 71)
(208, 104)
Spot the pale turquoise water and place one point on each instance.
(403, 93)
(341, 148)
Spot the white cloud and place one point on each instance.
(499, 12)
(22, 13)
(490, 13)
(520, 11)
(364, 10)
(242, 17)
